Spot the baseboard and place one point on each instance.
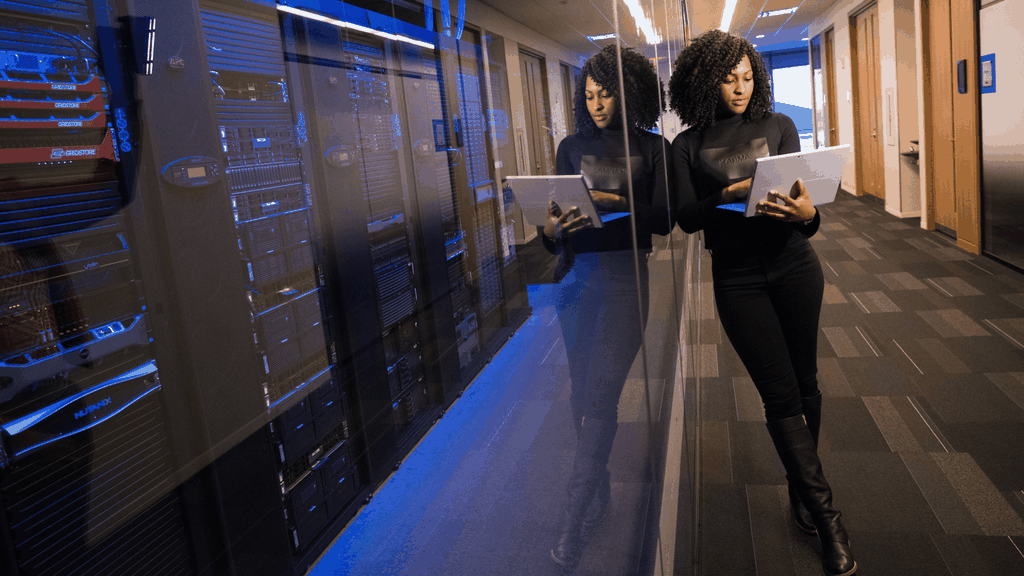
(899, 214)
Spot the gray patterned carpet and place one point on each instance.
(921, 363)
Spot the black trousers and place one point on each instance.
(602, 315)
(769, 301)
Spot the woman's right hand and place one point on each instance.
(563, 224)
(737, 192)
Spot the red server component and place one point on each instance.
(55, 124)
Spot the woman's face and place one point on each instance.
(737, 88)
(601, 104)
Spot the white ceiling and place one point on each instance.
(569, 22)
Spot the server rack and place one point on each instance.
(499, 305)
(273, 205)
(86, 472)
(286, 228)
(374, 223)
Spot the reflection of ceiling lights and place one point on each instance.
(351, 26)
(642, 21)
(730, 8)
(601, 37)
(777, 12)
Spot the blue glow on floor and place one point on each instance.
(397, 507)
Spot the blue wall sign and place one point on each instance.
(988, 73)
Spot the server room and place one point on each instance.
(286, 290)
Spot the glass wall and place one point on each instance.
(793, 90)
(274, 302)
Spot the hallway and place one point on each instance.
(921, 363)
(921, 354)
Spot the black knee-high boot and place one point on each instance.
(795, 446)
(598, 506)
(593, 446)
(812, 415)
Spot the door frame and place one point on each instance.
(543, 163)
(570, 75)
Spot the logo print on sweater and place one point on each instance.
(735, 159)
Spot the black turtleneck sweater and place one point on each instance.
(602, 162)
(708, 161)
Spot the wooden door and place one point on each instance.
(867, 78)
(831, 99)
(540, 144)
(939, 76)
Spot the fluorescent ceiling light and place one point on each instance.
(730, 8)
(777, 12)
(759, 36)
(642, 21)
(356, 27)
(601, 37)
(805, 39)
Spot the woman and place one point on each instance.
(601, 311)
(767, 279)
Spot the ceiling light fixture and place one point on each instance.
(730, 8)
(759, 36)
(642, 21)
(805, 39)
(777, 12)
(601, 37)
(351, 26)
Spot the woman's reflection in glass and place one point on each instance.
(600, 308)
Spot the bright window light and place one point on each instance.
(642, 21)
(601, 37)
(777, 12)
(356, 27)
(730, 8)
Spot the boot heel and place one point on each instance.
(796, 449)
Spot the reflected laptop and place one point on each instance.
(534, 192)
(820, 170)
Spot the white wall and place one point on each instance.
(901, 196)
(1002, 115)
(906, 73)
(890, 117)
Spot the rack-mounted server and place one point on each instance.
(86, 471)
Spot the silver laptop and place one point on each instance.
(821, 171)
(533, 193)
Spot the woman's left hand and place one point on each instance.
(796, 207)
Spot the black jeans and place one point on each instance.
(769, 301)
(603, 318)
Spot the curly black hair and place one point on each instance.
(701, 68)
(642, 89)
